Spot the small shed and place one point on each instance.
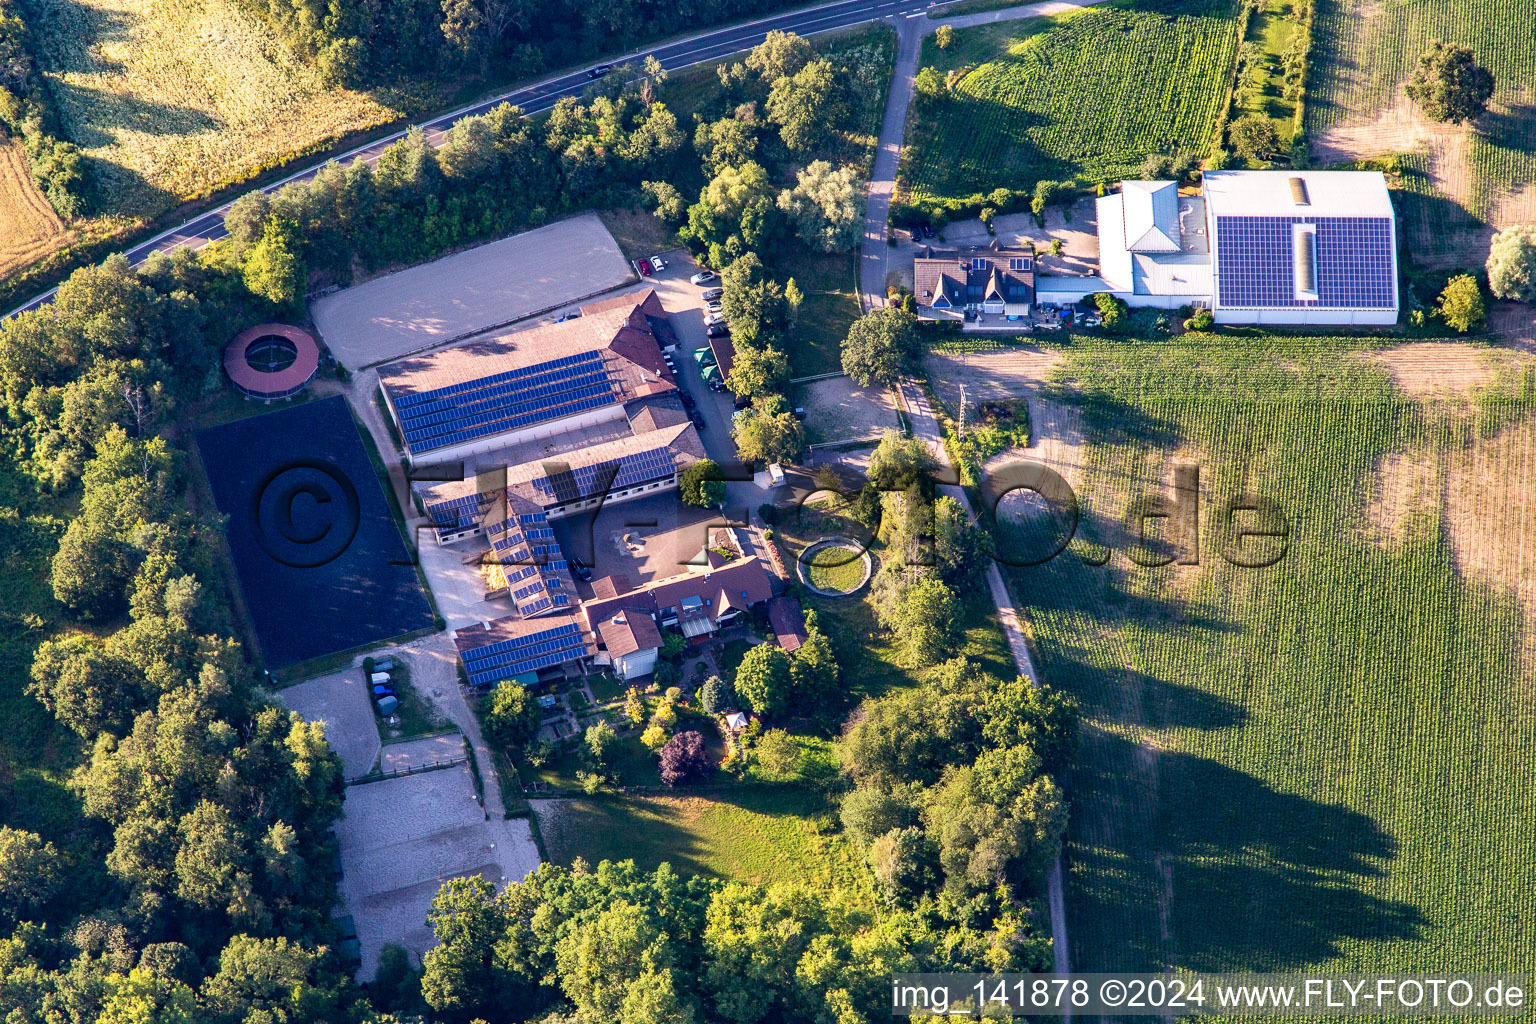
(735, 721)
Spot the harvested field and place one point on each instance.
(1010, 371)
(175, 98)
(29, 228)
(1490, 514)
(837, 409)
(1441, 369)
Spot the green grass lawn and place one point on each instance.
(750, 833)
(836, 568)
(1320, 765)
(1086, 95)
(822, 324)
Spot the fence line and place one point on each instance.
(410, 769)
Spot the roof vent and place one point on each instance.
(1299, 192)
(1304, 252)
(619, 619)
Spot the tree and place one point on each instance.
(512, 717)
(906, 862)
(716, 696)
(1461, 304)
(899, 461)
(655, 736)
(91, 570)
(1512, 264)
(683, 758)
(768, 432)
(762, 679)
(880, 346)
(757, 372)
(944, 37)
(1449, 85)
(665, 201)
(924, 618)
(808, 106)
(274, 268)
(87, 687)
(702, 484)
(634, 707)
(779, 55)
(960, 547)
(30, 874)
(753, 305)
(140, 997)
(869, 812)
(1253, 137)
(778, 754)
(826, 206)
(600, 740)
(813, 670)
(462, 974)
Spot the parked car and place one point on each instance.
(387, 705)
(379, 677)
(704, 277)
(741, 401)
(384, 665)
(714, 318)
(713, 307)
(568, 316)
(711, 294)
(687, 398)
(599, 71)
(644, 266)
(698, 419)
(927, 230)
(658, 264)
(1093, 320)
(382, 691)
(579, 569)
(717, 331)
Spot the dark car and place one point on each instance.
(711, 294)
(582, 572)
(927, 230)
(698, 419)
(383, 690)
(717, 331)
(741, 401)
(599, 71)
(687, 398)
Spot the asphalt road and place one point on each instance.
(543, 95)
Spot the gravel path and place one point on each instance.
(340, 700)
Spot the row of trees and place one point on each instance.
(357, 43)
(57, 166)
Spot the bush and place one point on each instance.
(1461, 304)
(1200, 320)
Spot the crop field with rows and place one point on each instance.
(1323, 763)
(1086, 95)
(175, 98)
(1364, 50)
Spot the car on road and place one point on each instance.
(698, 419)
(704, 277)
(599, 70)
(711, 294)
(686, 397)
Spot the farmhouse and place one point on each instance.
(993, 279)
(534, 384)
(1270, 247)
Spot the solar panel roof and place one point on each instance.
(507, 658)
(504, 401)
(1255, 264)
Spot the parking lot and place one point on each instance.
(622, 540)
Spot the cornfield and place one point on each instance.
(1365, 49)
(1323, 764)
(1089, 98)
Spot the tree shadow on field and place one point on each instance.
(1125, 696)
(1511, 128)
(1231, 873)
(113, 113)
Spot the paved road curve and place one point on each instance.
(543, 95)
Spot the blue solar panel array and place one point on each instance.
(1254, 262)
(507, 658)
(504, 401)
(585, 481)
